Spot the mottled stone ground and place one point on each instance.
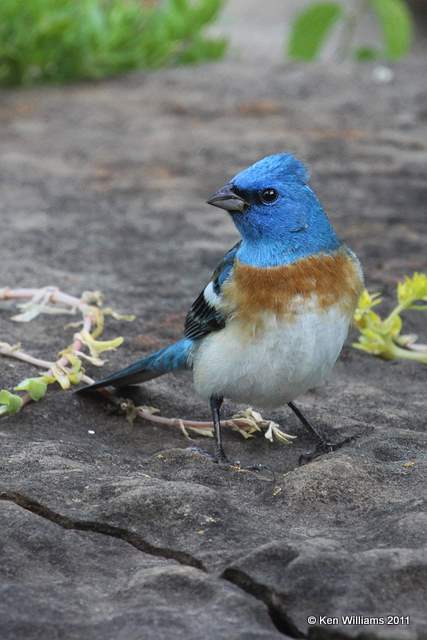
(127, 534)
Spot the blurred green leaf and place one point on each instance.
(179, 5)
(311, 28)
(36, 388)
(382, 337)
(366, 54)
(202, 50)
(396, 24)
(9, 402)
(65, 40)
(412, 289)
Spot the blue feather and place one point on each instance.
(172, 358)
(292, 227)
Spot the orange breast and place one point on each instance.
(327, 279)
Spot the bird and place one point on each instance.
(271, 322)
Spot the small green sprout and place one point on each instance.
(67, 370)
(9, 402)
(383, 337)
(96, 347)
(35, 387)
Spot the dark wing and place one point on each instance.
(205, 315)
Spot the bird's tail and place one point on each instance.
(176, 356)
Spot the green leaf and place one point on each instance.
(393, 326)
(99, 346)
(180, 6)
(36, 388)
(61, 376)
(413, 288)
(10, 403)
(64, 40)
(311, 28)
(396, 24)
(203, 49)
(366, 54)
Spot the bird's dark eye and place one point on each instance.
(268, 196)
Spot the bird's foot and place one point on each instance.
(322, 447)
(221, 460)
(259, 469)
(218, 457)
(252, 469)
(204, 453)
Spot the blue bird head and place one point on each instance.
(277, 214)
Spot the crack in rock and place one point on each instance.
(130, 537)
(269, 597)
(236, 577)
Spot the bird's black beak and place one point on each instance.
(226, 198)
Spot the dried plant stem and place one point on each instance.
(417, 347)
(52, 295)
(200, 425)
(351, 20)
(9, 351)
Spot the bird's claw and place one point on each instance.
(218, 457)
(221, 460)
(323, 447)
(251, 469)
(202, 452)
(259, 468)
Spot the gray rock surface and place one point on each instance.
(128, 533)
(62, 583)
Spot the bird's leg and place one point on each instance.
(323, 445)
(301, 417)
(220, 457)
(216, 403)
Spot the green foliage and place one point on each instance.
(65, 40)
(9, 402)
(313, 24)
(366, 54)
(68, 369)
(311, 28)
(383, 338)
(396, 24)
(36, 387)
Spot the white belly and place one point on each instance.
(281, 361)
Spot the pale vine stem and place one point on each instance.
(351, 20)
(56, 297)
